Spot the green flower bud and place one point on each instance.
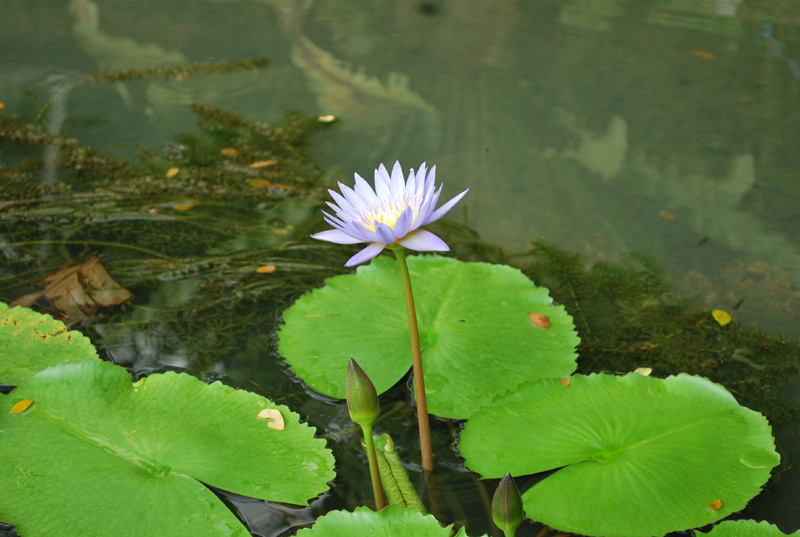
(507, 506)
(362, 399)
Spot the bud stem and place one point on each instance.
(374, 471)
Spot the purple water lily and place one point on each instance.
(393, 213)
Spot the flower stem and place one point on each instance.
(374, 471)
(416, 356)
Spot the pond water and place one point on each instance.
(666, 127)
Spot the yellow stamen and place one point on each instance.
(388, 214)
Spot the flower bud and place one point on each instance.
(362, 399)
(507, 506)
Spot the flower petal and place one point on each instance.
(366, 193)
(441, 211)
(404, 221)
(423, 241)
(359, 206)
(398, 182)
(366, 254)
(344, 205)
(382, 181)
(335, 235)
(384, 233)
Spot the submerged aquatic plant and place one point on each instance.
(392, 214)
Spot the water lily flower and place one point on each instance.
(393, 213)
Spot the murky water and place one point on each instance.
(608, 126)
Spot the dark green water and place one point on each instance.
(606, 127)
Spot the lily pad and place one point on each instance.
(31, 342)
(392, 520)
(475, 324)
(746, 528)
(632, 455)
(97, 455)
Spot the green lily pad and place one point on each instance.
(633, 455)
(31, 342)
(746, 528)
(393, 521)
(475, 330)
(98, 455)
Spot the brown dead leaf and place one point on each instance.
(79, 291)
(274, 417)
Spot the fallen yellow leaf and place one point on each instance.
(644, 371)
(2, 105)
(263, 164)
(666, 215)
(260, 183)
(265, 269)
(716, 505)
(21, 406)
(326, 118)
(184, 206)
(274, 417)
(230, 152)
(172, 172)
(703, 54)
(721, 316)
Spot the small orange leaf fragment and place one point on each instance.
(21, 406)
(263, 164)
(2, 105)
(565, 383)
(231, 152)
(540, 319)
(265, 269)
(667, 215)
(274, 417)
(721, 316)
(172, 172)
(703, 54)
(716, 505)
(260, 183)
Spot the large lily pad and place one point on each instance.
(475, 329)
(98, 455)
(746, 528)
(393, 521)
(31, 342)
(634, 455)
